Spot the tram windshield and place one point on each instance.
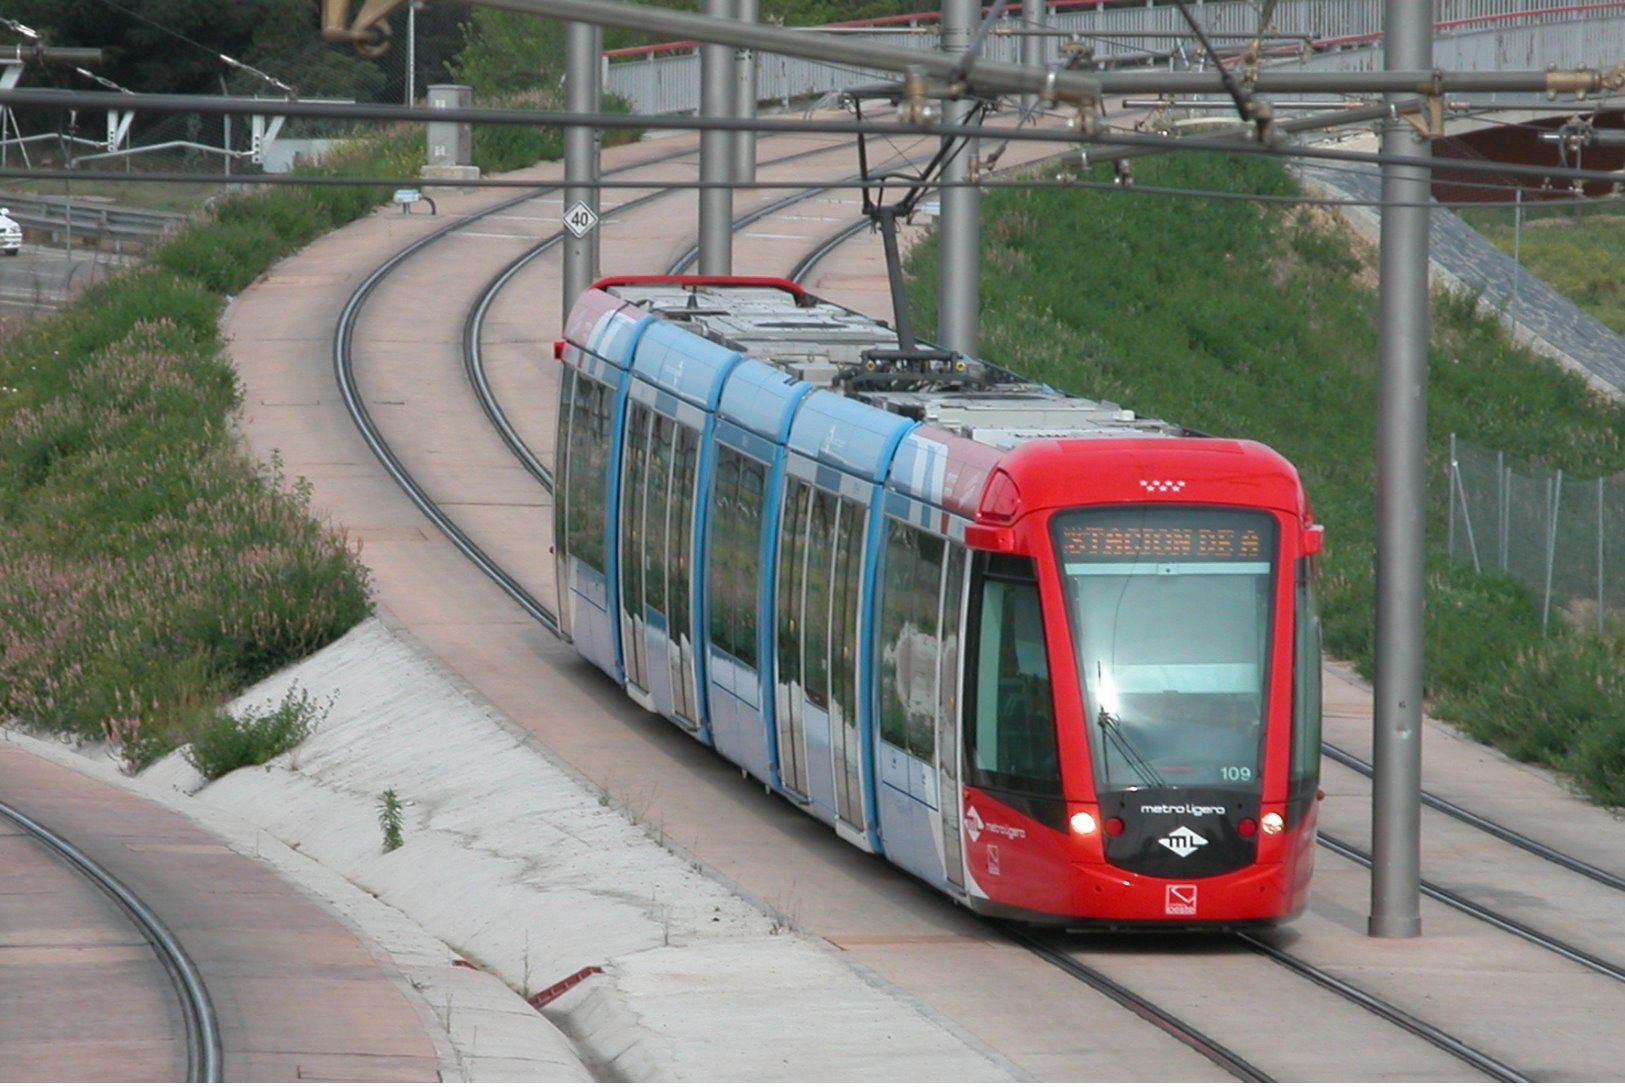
(1170, 617)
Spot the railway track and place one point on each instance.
(196, 1011)
(1066, 958)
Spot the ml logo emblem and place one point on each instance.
(1184, 841)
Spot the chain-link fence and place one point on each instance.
(1563, 537)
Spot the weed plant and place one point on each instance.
(147, 568)
(391, 814)
(500, 148)
(1251, 320)
(225, 742)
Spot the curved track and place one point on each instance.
(203, 1048)
(1225, 1057)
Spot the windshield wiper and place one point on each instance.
(1112, 729)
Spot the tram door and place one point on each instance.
(917, 669)
(819, 606)
(657, 508)
(948, 724)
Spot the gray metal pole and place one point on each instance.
(411, 51)
(1032, 45)
(583, 77)
(1396, 815)
(745, 97)
(716, 151)
(960, 227)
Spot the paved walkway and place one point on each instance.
(1537, 315)
(299, 995)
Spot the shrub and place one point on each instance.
(147, 569)
(222, 256)
(228, 743)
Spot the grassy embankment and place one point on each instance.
(1259, 320)
(148, 568)
(1577, 253)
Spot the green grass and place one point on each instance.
(1254, 320)
(1577, 253)
(148, 570)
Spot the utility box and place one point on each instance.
(451, 143)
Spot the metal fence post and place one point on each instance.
(1601, 520)
(1503, 482)
(1450, 500)
(1554, 500)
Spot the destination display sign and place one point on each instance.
(1197, 536)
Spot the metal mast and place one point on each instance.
(716, 150)
(748, 11)
(959, 278)
(1396, 812)
(582, 146)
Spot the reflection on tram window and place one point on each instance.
(735, 560)
(1011, 743)
(1170, 610)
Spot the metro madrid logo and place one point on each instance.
(1180, 899)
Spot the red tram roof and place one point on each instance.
(1062, 472)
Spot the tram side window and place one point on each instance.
(1306, 684)
(561, 462)
(816, 614)
(1010, 741)
(792, 581)
(588, 465)
(734, 571)
(909, 648)
(632, 536)
(657, 511)
(684, 467)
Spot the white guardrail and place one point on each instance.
(665, 79)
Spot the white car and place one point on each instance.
(11, 235)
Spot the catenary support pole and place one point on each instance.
(959, 228)
(583, 78)
(1032, 46)
(745, 97)
(716, 150)
(1402, 344)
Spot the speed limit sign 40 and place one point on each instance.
(580, 220)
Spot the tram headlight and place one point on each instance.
(1273, 823)
(1083, 823)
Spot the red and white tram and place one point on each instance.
(1059, 661)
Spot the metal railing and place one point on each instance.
(1557, 535)
(89, 222)
(665, 78)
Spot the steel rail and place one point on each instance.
(1494, 829)
(1457, 1048)
(343, 369)
(474, 358)
(811, 260)
(693, 254)
(1221, 1055)
(344, 374)
(204, 1063)
(1490, 917)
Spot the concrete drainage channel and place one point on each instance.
(637, 964)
